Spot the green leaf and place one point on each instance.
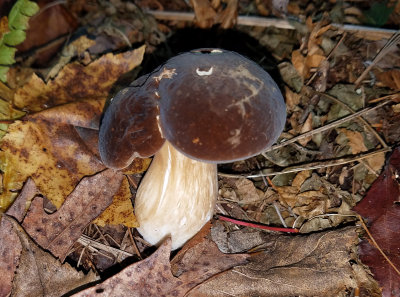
(378, 14)
(20, 13)
(3, 73)
(14, 37)
(7, 54)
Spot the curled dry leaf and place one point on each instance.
(38, 273)
(313, 265)
(20, 206)
(58, 231)
(48, 148)
(76, 81)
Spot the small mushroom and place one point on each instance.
(200, 108)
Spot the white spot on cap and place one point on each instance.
(204, 72)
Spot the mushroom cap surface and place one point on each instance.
(212, 105)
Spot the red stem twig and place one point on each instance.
(256, 225)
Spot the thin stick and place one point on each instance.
(87, 241)
(390, 43)
(361, 119)
(312, 165)
(376, 245)
(326, 127)
(133, 242)
(256, 225)
(257, 21)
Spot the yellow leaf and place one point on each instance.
(121, 209)
(51, 152)
(76, 81)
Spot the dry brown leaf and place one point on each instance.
(307, 126)
(355, 141)
(76, 81)
(390, 78)
(198, 260)
(299, 62)
(313, 265)
(10, 251)
(20, 206)
(207, 14)
(58, 231)
(47, 147)
(246, 191)
(39, 273)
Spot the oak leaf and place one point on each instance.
(57, 232)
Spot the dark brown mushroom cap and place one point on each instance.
(219, 106)
(129, 128)
(212, 105)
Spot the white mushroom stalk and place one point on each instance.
(176, 197)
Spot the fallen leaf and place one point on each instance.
(380, 207)
(58, 231)
(247, 192)
(76, 81)
(20, 206)
(307, 126)
(48, 148)
(10, 251)
(390, 78)
(149, 277)
(38, 273)
(355, 140)
(62, 23)
(198, 260)
(313, 265)
(121, 210)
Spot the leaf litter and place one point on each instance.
(319, 66)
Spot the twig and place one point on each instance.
(312, 165)
(266, 22)
(326, 127)
(376, 245)
(389, 44)
(361, 119)
(87, 241)
(256, 225)
(133, 242)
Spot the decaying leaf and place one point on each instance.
(198, 260)
(38, 273)
(209, 13)
(48, 148)
(313, 265)
(149, 277)
(20, 206)
(76, 81)
(121, 210)
(10, 251)
(380, 207)
(58, 231)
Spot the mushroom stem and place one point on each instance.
(176, 197)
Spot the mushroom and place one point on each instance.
(200, 108)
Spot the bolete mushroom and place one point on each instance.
(200, 108)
